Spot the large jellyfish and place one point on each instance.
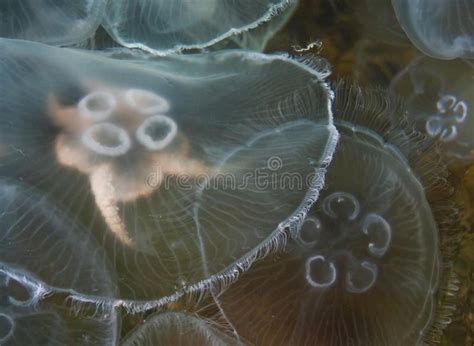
(50, 21)
(184, 169)
(178, 329)
(362, 268)
(443, 29)
(439, 96)
(165, 26)
(44, 258)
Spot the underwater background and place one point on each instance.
(347, 58)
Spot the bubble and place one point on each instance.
(441, 29)
(176, 25)
(438, 99)
(370, 274)
(174, 200)
(50, 21)
(177, 328)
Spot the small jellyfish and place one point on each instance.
(362, 268)
(165, 26)
(31, 315)
(180, 329)
(441, 29)
(439, 97)
(49, 21)
(181, 169)
(257, 38)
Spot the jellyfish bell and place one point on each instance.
(438, 98)
(177, 25)
(440, 29)
(368, 269)
(180, 329)
(40, 241)
(49, 21)
(177, 167)
(30, 314)
(46, 259)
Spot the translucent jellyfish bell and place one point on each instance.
(44, 260)
(232, 154)
(28, 317)
(50, 21)
(439, 96)
(361, 269)
(164, 26)
(443, 29)
(176, 328)
(40, 240)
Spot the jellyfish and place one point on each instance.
(179, 168)
(28, 317)
(47, 244)
(45, 259)
(362, 268)
(180, 329)
(257, 38)
(51, 275)
(438, 98)
(440, 29)
(49, 21)
(166, 26)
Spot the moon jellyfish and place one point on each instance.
(362, 268)
(39, 239)
(46, 259)
(441, 29)
(439, 96)
(180, 168)
(50, 21)
(257, 38)
(28, 317)
(164, 26)
(177, 328)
